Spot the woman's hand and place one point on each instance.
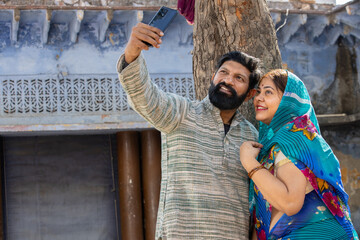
(248, 153)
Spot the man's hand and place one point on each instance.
(142, 32)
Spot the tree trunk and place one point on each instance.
(229, 25)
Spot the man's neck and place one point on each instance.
(227, 115)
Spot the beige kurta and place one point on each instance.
(204, 188)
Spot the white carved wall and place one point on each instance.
(76, 94)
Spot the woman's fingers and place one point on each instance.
(253, 144)
(257, 145)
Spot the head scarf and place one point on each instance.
(295, 129)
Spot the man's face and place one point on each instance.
(230, 85)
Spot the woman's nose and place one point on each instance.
(259, 97)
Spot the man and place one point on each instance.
(204, 188)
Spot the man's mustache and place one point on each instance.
(219, 85)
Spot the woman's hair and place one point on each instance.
(279, 77)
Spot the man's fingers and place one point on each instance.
(140, 35)
(142, 30)
(151, 28)
(146, 35)
(142, 45)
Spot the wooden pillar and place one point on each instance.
(151, 178)
(129, 186)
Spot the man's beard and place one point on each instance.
(222, 100)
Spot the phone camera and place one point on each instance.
(163, 12)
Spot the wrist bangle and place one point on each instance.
(255, 169)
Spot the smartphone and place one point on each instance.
(162, 19)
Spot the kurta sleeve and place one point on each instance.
(165, 111)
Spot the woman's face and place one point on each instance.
(267, 100)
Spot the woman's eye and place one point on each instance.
(268, 92)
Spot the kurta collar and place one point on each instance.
(216, 113)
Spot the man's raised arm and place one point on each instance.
(164, 111)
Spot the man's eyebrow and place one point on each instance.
(222, 67)
(242, 75)
(236, 74)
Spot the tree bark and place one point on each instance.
(229, 25)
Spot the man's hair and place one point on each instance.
(251, 63)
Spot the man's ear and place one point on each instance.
(212, 78)
(250, 94)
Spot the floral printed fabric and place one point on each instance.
(313, 216)
(295, 131)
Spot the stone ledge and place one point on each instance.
(338, 119)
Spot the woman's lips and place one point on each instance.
(260, 108)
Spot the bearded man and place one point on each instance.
(204, 188)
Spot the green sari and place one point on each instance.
(295, 131)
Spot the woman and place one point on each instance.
(296, 190)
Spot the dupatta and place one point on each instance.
(295, 130)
